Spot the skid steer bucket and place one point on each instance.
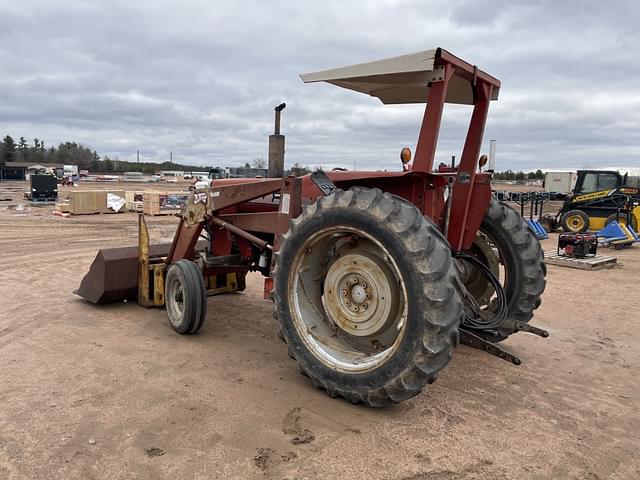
(113, 275)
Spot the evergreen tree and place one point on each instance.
(7, 150)
(22, 155)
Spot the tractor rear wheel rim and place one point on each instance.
(348, 299)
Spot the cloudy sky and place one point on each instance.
(200, 78)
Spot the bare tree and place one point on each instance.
(259, 162)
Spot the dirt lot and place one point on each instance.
(112, 392)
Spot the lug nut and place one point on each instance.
(364, 285)
(344, 293)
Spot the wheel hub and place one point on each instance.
(358, 293)
(360, 296)
(576, 222)
(175, 298)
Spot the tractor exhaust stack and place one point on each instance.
(276, 147)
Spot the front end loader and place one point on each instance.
(376, 277)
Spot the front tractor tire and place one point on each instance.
(366, 298)
(185, 297)
(508, 247)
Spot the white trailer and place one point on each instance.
(560, 182)
(70, 170)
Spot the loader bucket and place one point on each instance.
(113, 275)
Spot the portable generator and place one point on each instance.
(577, 245)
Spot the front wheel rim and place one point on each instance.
(175, 301)
(575, 222)
(347, 299)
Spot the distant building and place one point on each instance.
(172, 173)
(247, 172)
(13, 171)
(20, 170)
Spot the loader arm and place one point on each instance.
(202, 205)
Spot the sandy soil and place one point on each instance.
(113, 392)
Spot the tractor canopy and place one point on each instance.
(407, 78)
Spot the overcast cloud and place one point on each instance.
(201, 78)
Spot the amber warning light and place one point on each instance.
(405, 157)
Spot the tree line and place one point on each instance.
(70, 153)
(519, 176)
(73, 153)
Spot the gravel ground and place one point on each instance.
(113, 392)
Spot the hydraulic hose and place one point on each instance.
(481, 321)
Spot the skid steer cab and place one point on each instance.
(599, 198)
(375, 277)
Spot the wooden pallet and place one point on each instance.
(596, 262)
(156, 213)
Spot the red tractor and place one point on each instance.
(375, 276)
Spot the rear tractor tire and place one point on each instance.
(185, 297)
(506, 245)
(365, 294)
(575, 221)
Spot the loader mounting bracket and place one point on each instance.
(151, 270)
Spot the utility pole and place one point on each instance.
(171, 157)
(138, 156)
(492, 155)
